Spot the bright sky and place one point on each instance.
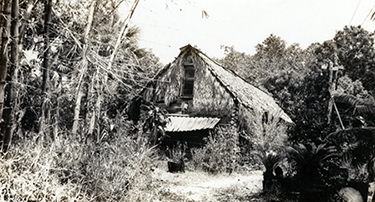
(167, 25)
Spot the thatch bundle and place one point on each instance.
(210, 98)
(165, 86)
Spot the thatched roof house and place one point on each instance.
(194, 85)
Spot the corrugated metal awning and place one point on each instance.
(183, 124)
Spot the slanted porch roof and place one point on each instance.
(185, 123)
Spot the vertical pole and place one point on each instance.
(6, 27)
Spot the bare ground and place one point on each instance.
(199, 186)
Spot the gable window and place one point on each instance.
(188, 81)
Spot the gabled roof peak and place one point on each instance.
(186, 46)
(247, 94)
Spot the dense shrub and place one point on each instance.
(220, 153)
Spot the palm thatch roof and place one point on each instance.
(248, 95)
(245, 93)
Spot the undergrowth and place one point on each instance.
(220, 152)
(119, 168)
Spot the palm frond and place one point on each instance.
(364, 132)
(311, 156)
(133, 32)
(347, 99)
(365, 109)
(357, 144)
(270, 160)
(360, 106)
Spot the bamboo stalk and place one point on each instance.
(4, 67)
(6, 16)
(1, 21)
(26, 17)
(96, 110)
(338, 113)
(79, 94)
(12, 75)
(122, 34)
(45, 110)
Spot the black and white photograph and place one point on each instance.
(187, 101)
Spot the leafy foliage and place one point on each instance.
(235, 60)
(352, 48)
(294, 77)
(357, 109)
(271, 161)
(58, 166)
(155, 122)
(219, 154)
(314, 172)
(356, 144)
(356, 54)
(309, 161)
(303, 81)
(106, 92)
(68, 170)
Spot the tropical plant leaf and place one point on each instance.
(357, 144)
(365, 109)
(309, 157)
(361, 107)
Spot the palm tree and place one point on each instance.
(271, 162)
(309, 161)
(357, 107)
(357, 146)
(357, 143)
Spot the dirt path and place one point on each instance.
(200, 186)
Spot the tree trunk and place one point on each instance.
(6, 19)
(96, 111)
(16, 88)
(45, 107)
(12, 76)
(90, 112)
(47, 21)
(112, 58)
(56, 116)
(79, 94)
(1, 21)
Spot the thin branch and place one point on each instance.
(122, 33)
(338, 113)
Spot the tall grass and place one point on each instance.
(29, 172)
(116, 169)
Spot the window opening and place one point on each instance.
(188, 82)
